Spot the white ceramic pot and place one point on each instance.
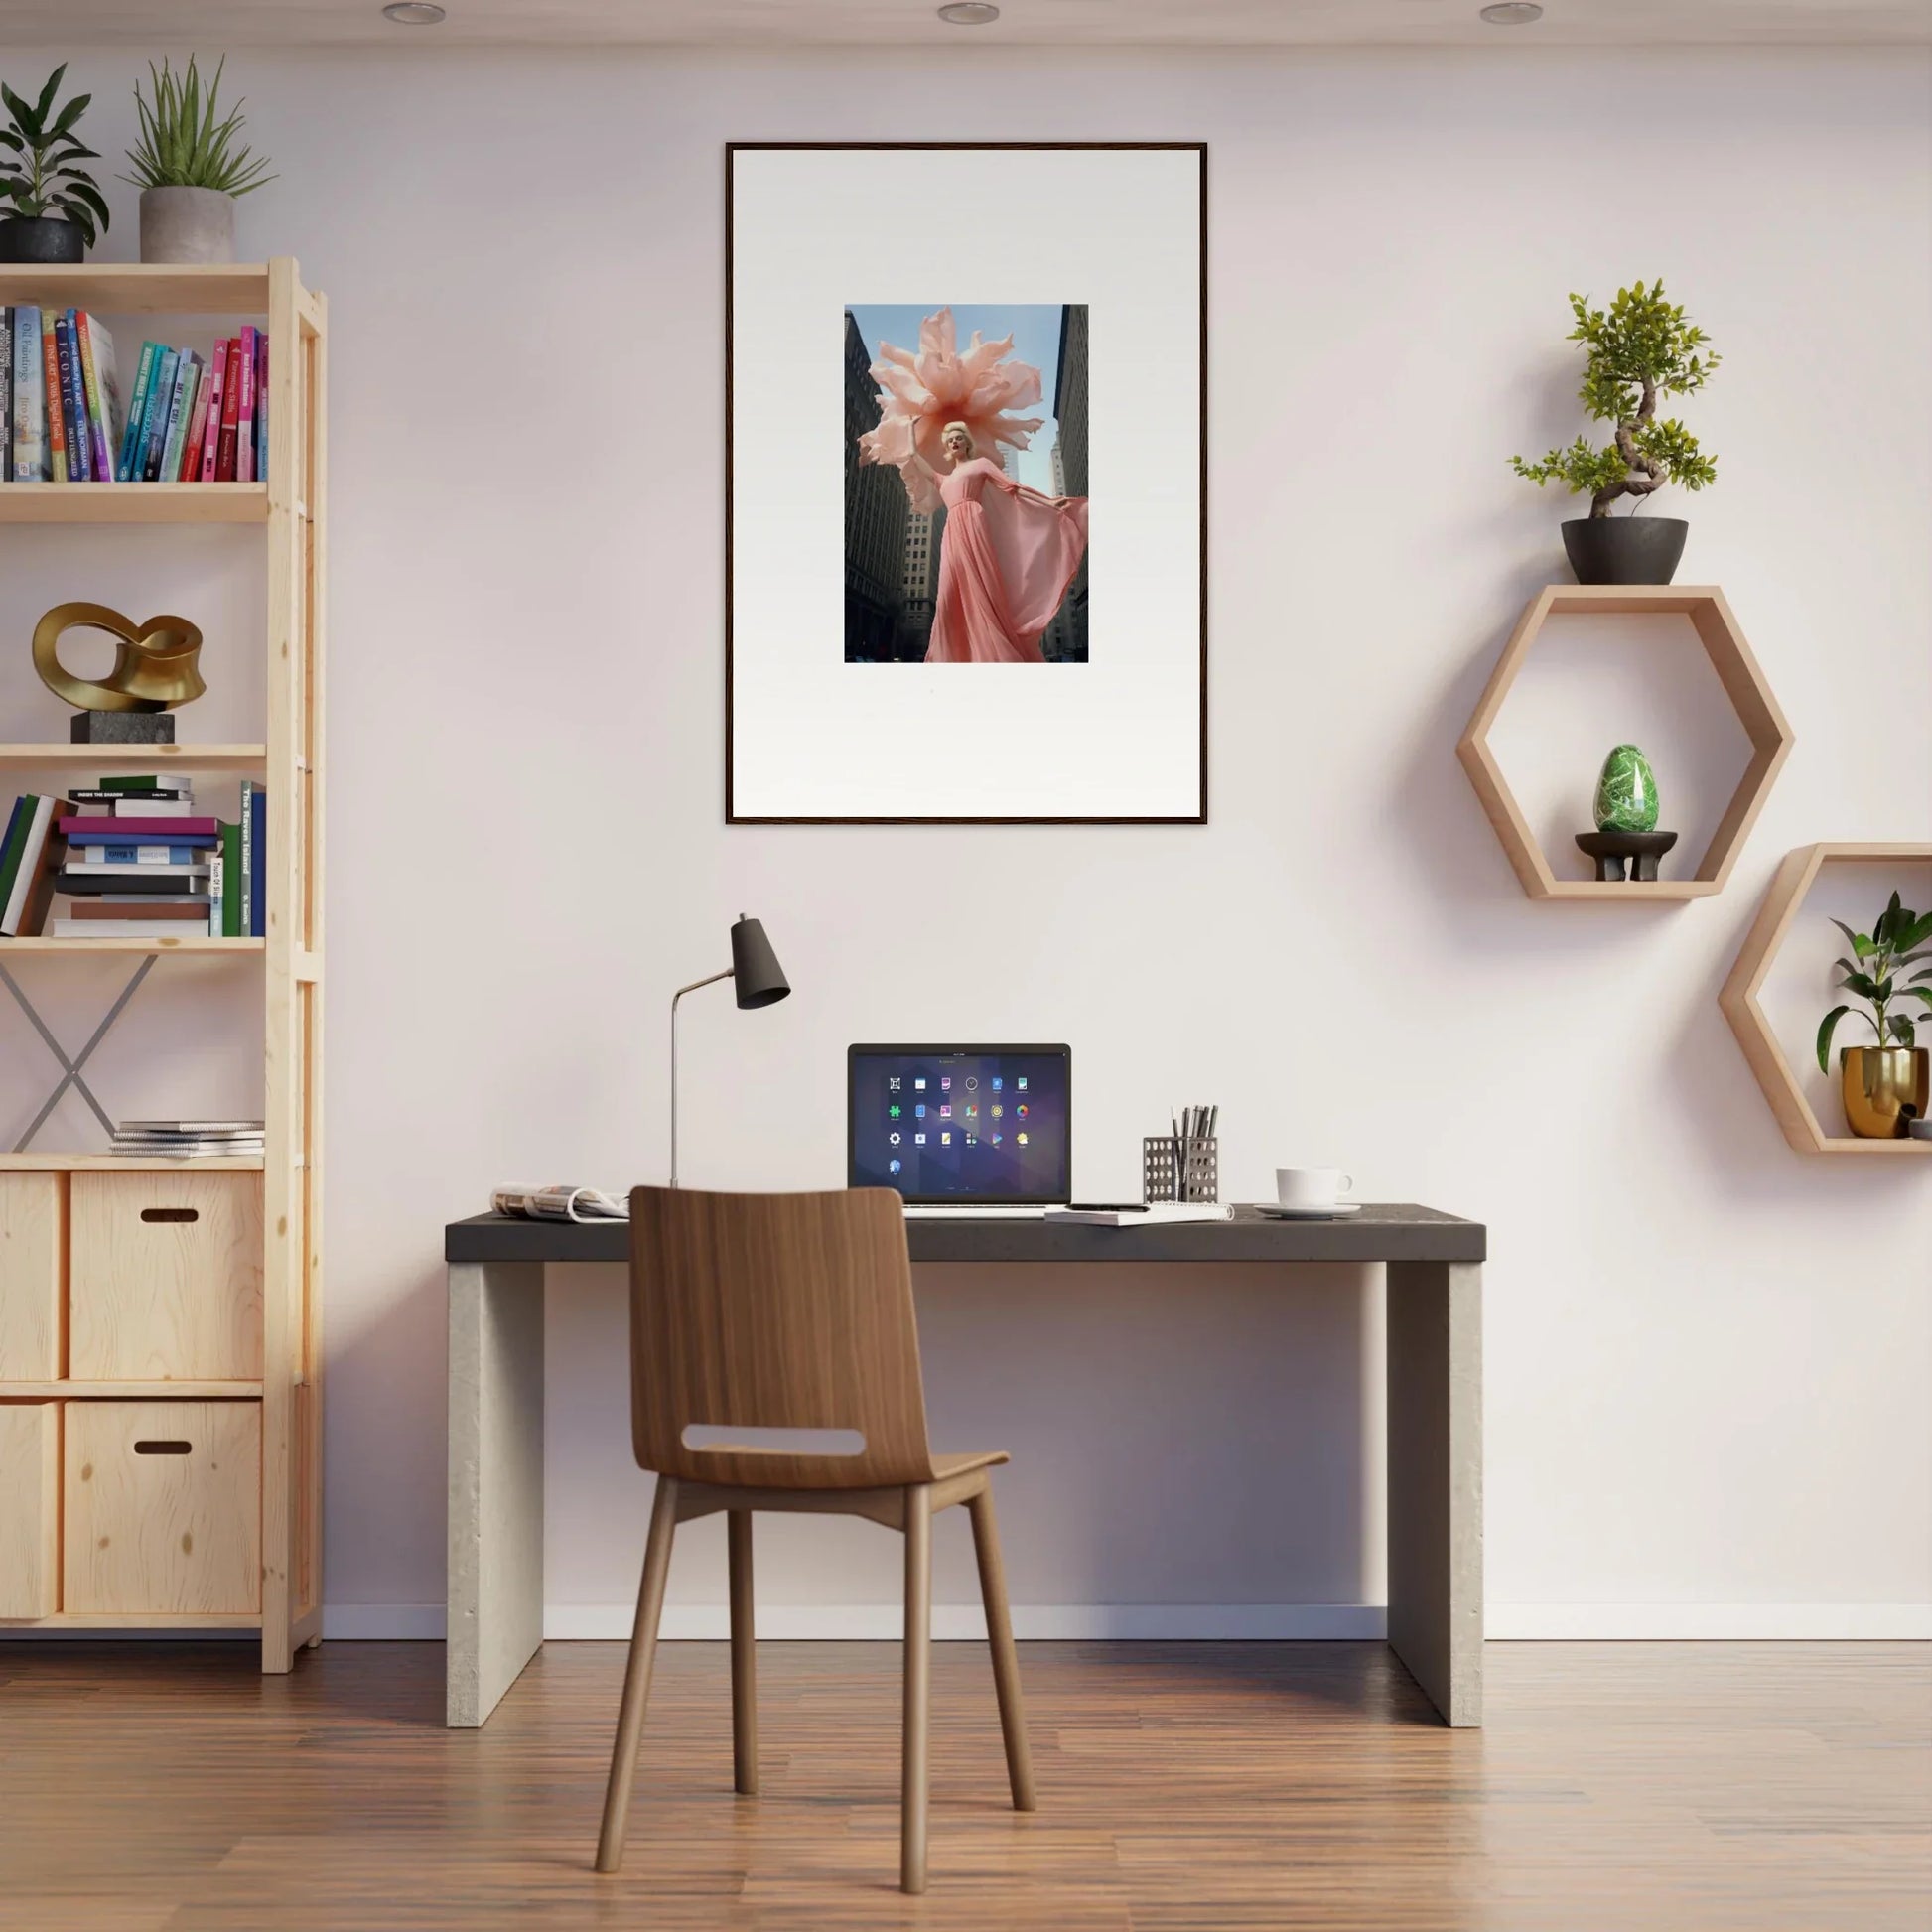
(186, 225)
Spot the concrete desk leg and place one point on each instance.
(1435, 1330)
(496, 1608)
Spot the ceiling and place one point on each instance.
(1090, 23)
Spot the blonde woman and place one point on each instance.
(1004, 561)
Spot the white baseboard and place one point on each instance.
(1708, 1622)
(1199, 1622)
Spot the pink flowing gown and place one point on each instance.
(1005, 562)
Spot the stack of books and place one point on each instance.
(187, 1140)
(188, 418)
(136, 861)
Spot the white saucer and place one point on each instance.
(1272, 1211)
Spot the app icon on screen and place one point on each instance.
(998, 1110)
(1020, 1083)
(995, 1140)
(893, 1136)
(1021, 1138)
(918, 1110)
(997, 1083)
(891, 1083)
(971, 1141)
(892, 1110)
(972, 1112)
(893, 1166)
(945, 1112)
(945, 1140)
(945, 1083)
(919, 1083)
(919, 1140)
(1020, 1110)
(972, 1080)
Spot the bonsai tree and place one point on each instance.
(1895, 941)
(1637, 350)
(38, 177)
(181, 144)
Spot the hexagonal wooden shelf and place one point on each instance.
(1738, 997)
(1743, 683)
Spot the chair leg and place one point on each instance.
(637, 1676)
(1006, 1660)
(918, 1687)
(745, 1669)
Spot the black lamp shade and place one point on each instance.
(757, 977)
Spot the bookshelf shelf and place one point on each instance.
(32, 1162)
(239, 289)
(135, 502)
(181, 1391)
(286, 513)
(8, 947)
(111, 758)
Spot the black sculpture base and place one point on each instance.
(1611, 849)
(122, 728)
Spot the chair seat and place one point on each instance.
(947, 1466)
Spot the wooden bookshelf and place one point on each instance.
(287, 510)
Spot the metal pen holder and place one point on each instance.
(1174, 1170)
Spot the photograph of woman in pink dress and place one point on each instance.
(964, 543)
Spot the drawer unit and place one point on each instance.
(161, 1508)
(165, 1277)
(30, 1508)
(33, 1274)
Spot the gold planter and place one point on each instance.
(1879, 1083)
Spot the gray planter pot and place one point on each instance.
(186, 225)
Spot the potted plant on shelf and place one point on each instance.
(1640, 349)
(1885, 1086)
(56, 207)
(187, 167)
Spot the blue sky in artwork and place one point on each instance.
(1036, 330)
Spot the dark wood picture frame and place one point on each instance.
(734, 148)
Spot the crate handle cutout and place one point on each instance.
(773, 1442)
(151, 1446)
(171, 1213)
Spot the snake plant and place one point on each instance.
(181, 144)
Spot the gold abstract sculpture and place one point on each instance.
(154, 662)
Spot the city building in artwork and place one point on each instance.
(1066, 640)
(876, 516)
(924, 533)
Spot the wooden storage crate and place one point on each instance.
(161, 1508)
(33, 1274)
(165, 1277)
(30, 1508)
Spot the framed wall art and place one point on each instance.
(966, 482)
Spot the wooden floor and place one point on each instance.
(1627, 1788)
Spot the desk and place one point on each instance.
(1435, 1420)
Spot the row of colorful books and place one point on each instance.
(136, 862)
(188, 418)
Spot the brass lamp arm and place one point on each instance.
(712, 980)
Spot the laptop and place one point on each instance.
(978, 1131)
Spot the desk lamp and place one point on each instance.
(759, 981)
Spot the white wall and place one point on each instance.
(1706, 1358)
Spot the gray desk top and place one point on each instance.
(1382, 1231)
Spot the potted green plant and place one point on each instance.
(188, 169)
(51, 210)
(1884, 1085)
(1637, 350)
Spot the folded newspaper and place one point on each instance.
(559, 1205)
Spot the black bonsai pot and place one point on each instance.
(1624, 549)
(39, 239)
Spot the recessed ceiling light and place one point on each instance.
(1512, 13)
(413, 13)
(969, 13)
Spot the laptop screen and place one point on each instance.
(989, 1125)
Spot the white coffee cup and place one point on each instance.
(1312, 1186)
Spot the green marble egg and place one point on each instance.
(1627, 792)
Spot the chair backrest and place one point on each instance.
(775, 1312)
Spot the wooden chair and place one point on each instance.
(769, 1311)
